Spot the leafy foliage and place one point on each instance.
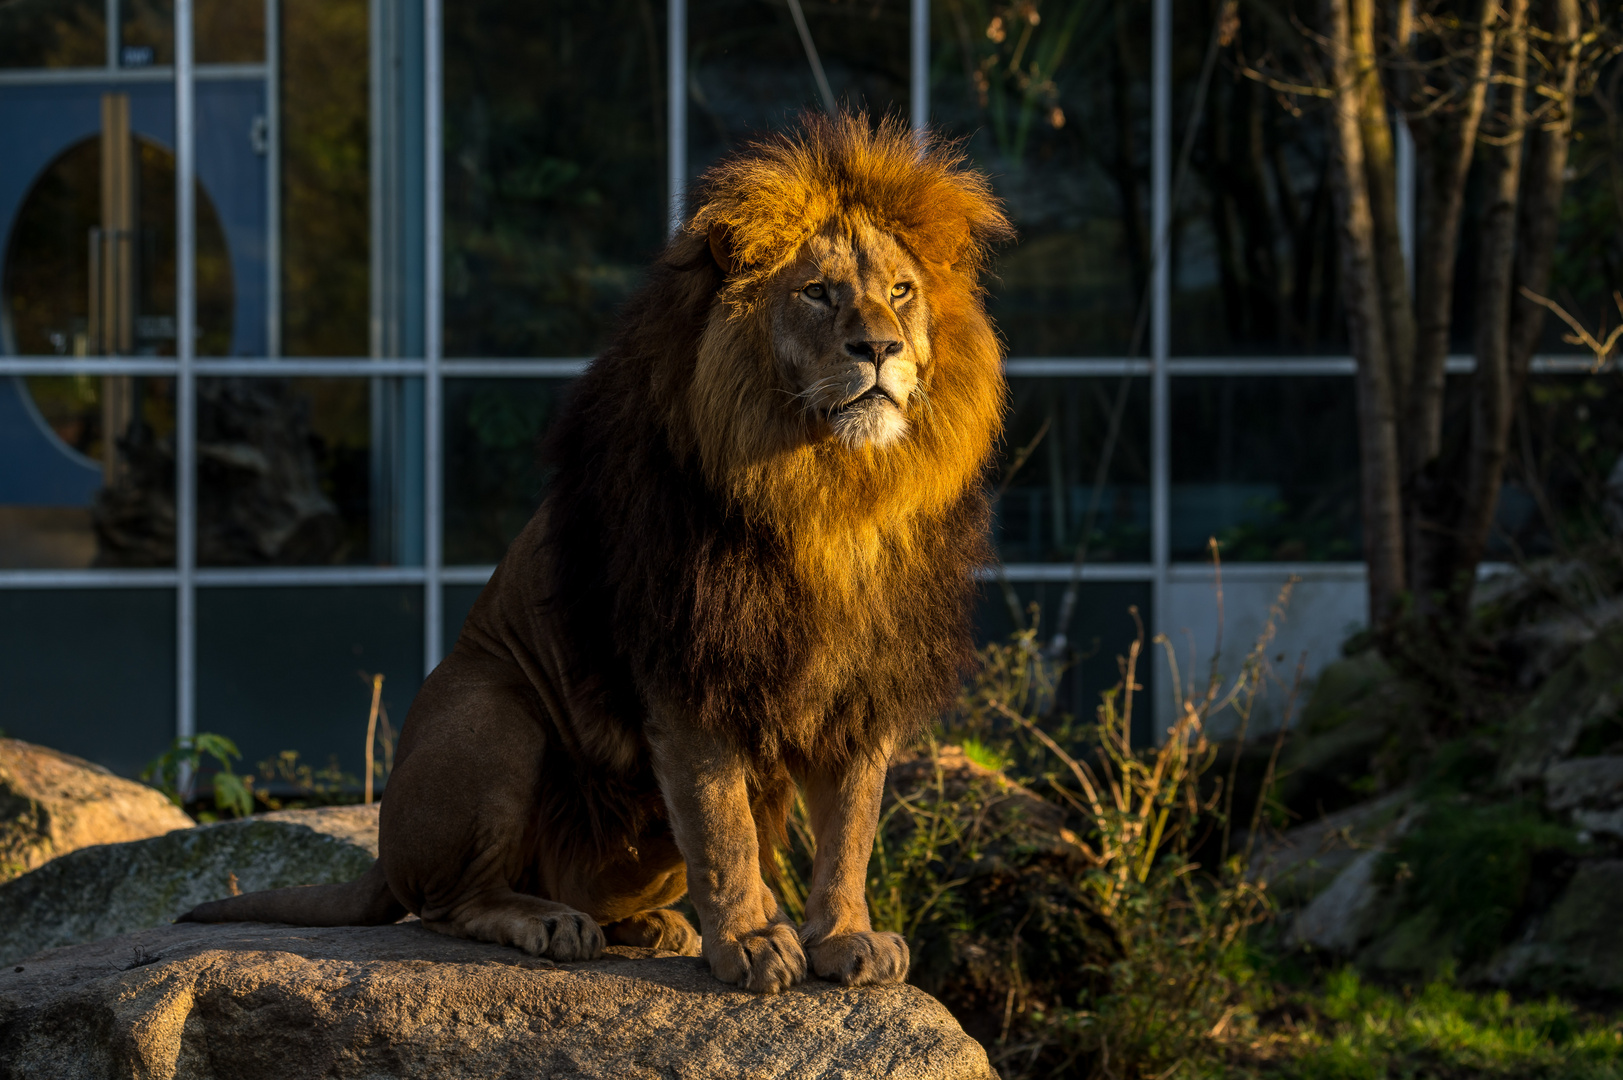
(175, 770)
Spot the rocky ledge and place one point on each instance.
(243, 1001)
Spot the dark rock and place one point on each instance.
(97, 892)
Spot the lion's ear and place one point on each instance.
(721, 248)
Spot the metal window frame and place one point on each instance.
(433, 368)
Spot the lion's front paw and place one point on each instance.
(569, 936)
(763, 961)
(865, 958)
(658, 929)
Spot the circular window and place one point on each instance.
(45, 289)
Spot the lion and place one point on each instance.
(754, 567)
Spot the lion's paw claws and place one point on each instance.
(865, 958)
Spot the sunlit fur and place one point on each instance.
(719, 549)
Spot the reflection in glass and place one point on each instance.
(146, 32)
(61, 231)
(493, 478)
(90, 672)
(1254, 241)
(1269, 466)
(1054, 105)
(1051, 498)
(1101, 630)
(554, 171)
(290, 668)
(53, 33)
(229, 31)
(749, 72)
(283, 471)
(67, 490)
(325, 181)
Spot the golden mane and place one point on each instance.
(845, 512)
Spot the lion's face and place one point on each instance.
(850, 334)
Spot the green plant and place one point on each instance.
(1344, 1028)
(174, 771)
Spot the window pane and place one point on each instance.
(87, 471)
(290, 669)
(554, 171)
(1055, 106)
(90, 672)
(326, 178)
(1254, 268)
(1267, 466)
(455, 603)
(1050, 499)
(146, 32)
(229, 31)
(53, 33)
(285, 471)
(493, 429)
(61, 233)
(749, 72)
(1101, 629)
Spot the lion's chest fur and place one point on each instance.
(671, 598)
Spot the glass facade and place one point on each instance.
(290, 290)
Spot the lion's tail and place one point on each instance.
(366, 901)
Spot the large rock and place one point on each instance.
(249, 1001)
(1586, 693)
(52, 803)
(1304, 861)
(116, 888)
(1341, 752)
(1577, 945)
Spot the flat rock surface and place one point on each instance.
(246, 1001)
(110, 889)
(52, 803)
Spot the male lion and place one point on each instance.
(754, 567)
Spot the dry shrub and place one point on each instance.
(1093, 920)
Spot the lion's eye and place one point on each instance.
(900, 289)
(815, 290)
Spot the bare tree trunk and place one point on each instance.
(1381, 173)
(1366, 323)
(1543, 184)
(1443, 147)
(1491, 401)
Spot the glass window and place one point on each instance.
(325, 178)
(284, 471)
(1054, 104)
(1269, 466)
(554, 171)
(53, 33)
(90, 261)
(229, 31)
(86, 471)
(1254, 268)
(90, 672)
(290, 668)
(494, 482)
(1051, 497)
(146, 32)
(749, 72)
(1101, 630)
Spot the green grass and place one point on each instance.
(1349, 1029)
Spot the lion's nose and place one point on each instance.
(875, 352)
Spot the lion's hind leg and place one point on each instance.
(661, 928)
(539, 927)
